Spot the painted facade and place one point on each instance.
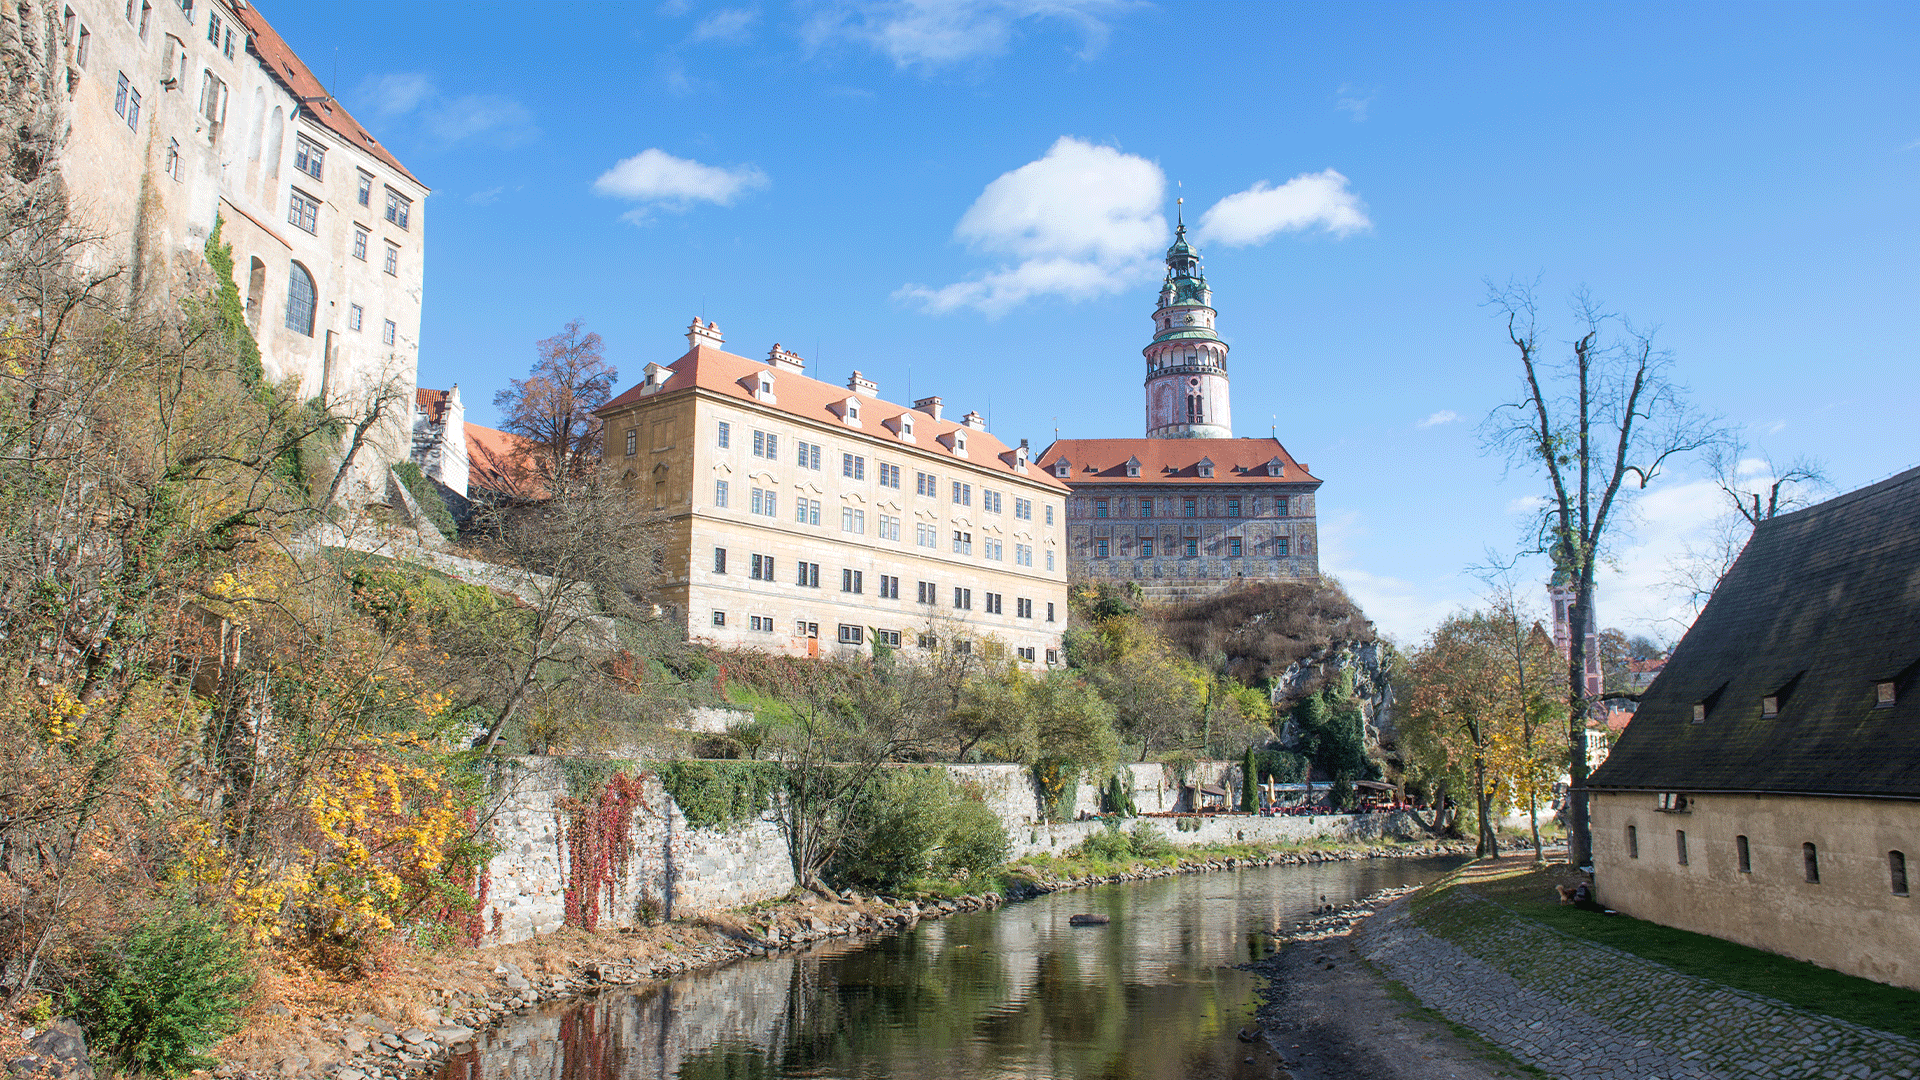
(809, 519)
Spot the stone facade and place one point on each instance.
(1858, 916)
(182, 114)
(808, 518)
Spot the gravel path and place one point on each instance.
(1588, 1012)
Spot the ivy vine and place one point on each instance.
(722, 794)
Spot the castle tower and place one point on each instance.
(1187, 361)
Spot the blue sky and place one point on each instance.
(974, 196)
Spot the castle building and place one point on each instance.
(167, 115)
(813, 519)
(1189, 509)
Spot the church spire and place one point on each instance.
(1187, 361)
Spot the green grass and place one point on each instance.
(1529, 894)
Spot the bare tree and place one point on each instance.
(1757, 489)
(1598, 425)
(552, 408)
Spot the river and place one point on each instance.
(1010, 994)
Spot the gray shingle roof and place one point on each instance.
(1823, 604)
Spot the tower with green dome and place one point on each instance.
(1187, 361)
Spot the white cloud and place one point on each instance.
(1404, 609)
(930, 34)
(410, 99)
(654, 177)
(1080, 222)
(1444, 416)
(1525, 504)
(484, 198)
(1354, 100)
(1307, 201)
(727, 24)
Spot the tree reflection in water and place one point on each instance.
(1010, 994)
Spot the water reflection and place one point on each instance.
(1014, 993)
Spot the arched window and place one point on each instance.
(1196, 412)
(300, 299)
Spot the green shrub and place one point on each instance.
(976, 842)
(158, 999)
(1107, 845)
(1187, 824)
(918, 822)
(1149, 842)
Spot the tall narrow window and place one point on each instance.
(1633, 842)
(309, 156)
(390, 334)
(1897, 870)
(356, 316)
(720, 494)
(393, 260)
(303, 211)
(1680, 846)
(360, 243)
(300, 300)
(719, 560)
(398, 208)
(1811, 855)
(1744, 854)
(364, 196)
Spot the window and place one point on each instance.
(1146, 508)
(360, 243)
(962, 598)
(1233, 507)
(964, 648)
(761, 568)
(393, 260)
(1811, 855)
(962, 493)
(1022, 609)
(300, 300)
(719, 618)
(851, 581)
(1672, 802)
(398, 208)
(889, 587)
(765, 502)
(928, 641)
(1193, 547)
(851, 634)
(1633, 842)
(806, 511)
(1883, 694)
(146, 16)
(994, 604)
(1189, 508)
(926, 536)
(720, 494)
(1053, 657)
(1770, 706)
(889, 476)
(120, 95)
(853, 521)
(213, 27)
(633, 441)
(1049, 613)
(1680, 846)
(85, 46)
(1233, 547)
(853, 466)
(990, 501)
(1699, 712)
(1049, 558)
(806, 629)
(357, 316)
(726, 435)
(809, 576)
(303, 210)
(763, 623)
(807, 455)
(1280, 546)
(308, 156)
(1049, 513)
(719, 560)
(389, 333)
(1023, 554)
(364, 195)
(1099, 508)
(1743, 854)
(1146, 547)
(1023, 509)
(962, 543)
(133, 110)
(889, 528)
(926, 484)
(1100, 547)
(994, 550)
(766, 445)
(1024, 654)
(1897, 871)
(1280, 506)
(928, 594)
(889, 638)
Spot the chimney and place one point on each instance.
(975, 421)
(707, 335)
(860, 384)
(786, 361)
(929, 405)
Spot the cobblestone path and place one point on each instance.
(1588, 1012)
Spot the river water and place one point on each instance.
(1012, 994)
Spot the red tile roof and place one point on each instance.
(434, 402)
(499, 461)
(279, 60)
(1235, 461)
(796, 395)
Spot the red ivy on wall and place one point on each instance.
(598, 834)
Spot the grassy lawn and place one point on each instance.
(1521, 890)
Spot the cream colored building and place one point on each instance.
(178, 113)
(1767, 789)
(809, 518)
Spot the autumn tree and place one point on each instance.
(552, 408)
(1598, 424)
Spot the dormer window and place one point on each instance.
(853, 410)
(1063, 468)
(1699, 712)
(1883, 695)
(1206, 468)
(1770, 706)
(960, 444)
(906, 425)
(1133, 466)
(1275, 467)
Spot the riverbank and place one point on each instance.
(1485, 971)
(402, 1021)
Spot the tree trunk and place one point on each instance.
(1488, 844)
(1579, 839)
